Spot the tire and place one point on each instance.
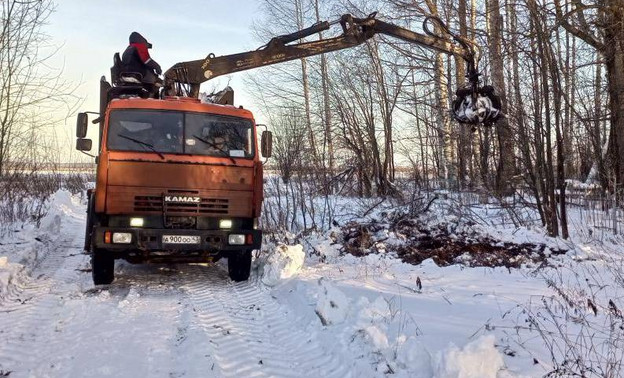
(239, 265)
(102, 267)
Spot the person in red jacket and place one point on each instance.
(137, 59)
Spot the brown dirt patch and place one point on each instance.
(421, 242)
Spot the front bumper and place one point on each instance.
(150, 240)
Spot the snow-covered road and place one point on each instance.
(153, 321)
(337, 316)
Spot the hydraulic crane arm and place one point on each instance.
(276, 51)
(185, 78)
(355, 32)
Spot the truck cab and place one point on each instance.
(177, 181)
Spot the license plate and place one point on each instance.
(181, 239)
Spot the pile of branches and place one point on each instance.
(413, 242)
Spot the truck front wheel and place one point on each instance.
(102, 267)
(239, 265)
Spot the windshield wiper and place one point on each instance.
(214, 145)
(150, 146)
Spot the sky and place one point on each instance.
(88, 33)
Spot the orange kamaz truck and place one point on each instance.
(180, 180)
(177, 181)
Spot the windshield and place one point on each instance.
(180, 133)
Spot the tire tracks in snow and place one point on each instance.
(252, 335)
(30, 313)
(156, 321)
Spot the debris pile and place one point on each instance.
(413, 242)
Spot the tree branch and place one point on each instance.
(584, 33)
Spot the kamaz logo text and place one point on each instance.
(182, 199)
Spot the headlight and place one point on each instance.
(225, 223)
(236, 239)
(122, 237)
(136, 222)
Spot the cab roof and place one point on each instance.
(181, 104)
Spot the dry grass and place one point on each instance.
(24, 197)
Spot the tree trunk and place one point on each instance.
(614, 64)
(506, 163)
(464, 143)
(545, 61)
(560, 137)
(326, 102)
(306, 89)
(448, 173)
(599, 148)
(475, 165)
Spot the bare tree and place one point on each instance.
(325, 85)
(464, 141)
(289, 141)
(604, 32)
(32, 96)
(506, 163)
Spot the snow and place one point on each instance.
(22, 244)
(309, 309)
(478, 359)
(399, 327)
(11, 277)
(281, 263)
(412, 356)
(332, 305)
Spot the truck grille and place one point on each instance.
(206, 205)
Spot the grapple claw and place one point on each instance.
(477, 107)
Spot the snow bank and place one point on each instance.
(11, 277)
(281, 263)
(27, 244)
(412, 356)
(386, 329)
(333, 305)
(478, 359)
(62, 204)
(383, 331)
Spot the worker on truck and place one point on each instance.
(137, 59)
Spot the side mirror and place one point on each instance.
(81, 125)
(266, 143)
(84, 144)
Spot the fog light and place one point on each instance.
(225, 223)
(236, 239)
(136, 222)
(122, 237)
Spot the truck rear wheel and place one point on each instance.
(239, 265)
(102, 267)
